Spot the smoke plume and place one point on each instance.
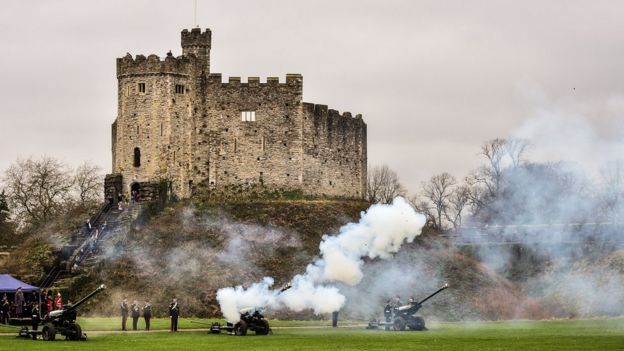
(380, 233)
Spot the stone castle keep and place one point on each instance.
(179, 122)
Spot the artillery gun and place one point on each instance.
(405, 316)
(63, 321)
(251, 318)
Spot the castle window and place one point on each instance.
(263, 144)
(248, 116)
(179, 89)
(235, 144)
(137, 157)
(141, 87)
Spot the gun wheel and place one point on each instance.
(48, 333)
(240, 328)
(74, 332)
(399, 323)
(263, 327)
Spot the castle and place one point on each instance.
(179, 122)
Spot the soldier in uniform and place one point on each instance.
(36, 319)
(124, 313)
(147, 314)
(388, 313)
(174, 313)
(58, 301)
(135, 309)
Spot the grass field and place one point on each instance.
(604, 334)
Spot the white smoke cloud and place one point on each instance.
(381, 232)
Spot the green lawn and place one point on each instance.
(606, 334)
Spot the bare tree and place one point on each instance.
(425, 208)
(383, 185)
(37, 189)
(437, 191)
(457, 204)
(88, 183)
(485, 181)
(515, 149)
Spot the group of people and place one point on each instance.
(135, 311)
(122, 199)
(93, 234)
(28, 305)
(391, 304)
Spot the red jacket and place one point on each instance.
(58, 302)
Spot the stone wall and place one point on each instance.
(196, 135)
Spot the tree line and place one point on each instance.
(506, 188)
(36, 191)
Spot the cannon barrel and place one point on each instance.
(284, 288)
(84, 299)
(434, 294)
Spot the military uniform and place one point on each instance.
(388, 314)
(135, 310)
(174, 313)
(147, 314)
(124, 314)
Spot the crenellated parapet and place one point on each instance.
(332, 125)
(292, 81)
(152, 64)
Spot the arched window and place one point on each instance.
(137, 157)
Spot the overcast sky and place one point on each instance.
(433, 79)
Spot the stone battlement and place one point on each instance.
(292, 79)
(152, 64)
(195, 37)
(322, 111)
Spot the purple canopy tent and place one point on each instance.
(9, 284)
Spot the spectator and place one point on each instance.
(18, 301)
(5, 306)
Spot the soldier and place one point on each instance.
(174, 312)
(43, 307)
(36, 319)
(147, 314)
(388, 313)
(124, 313)
(49, 302)
(398, 302)
(58, 301)
(135, 309)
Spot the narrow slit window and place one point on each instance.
(262, 144)
(248, 116)
(235, 144)
(137, 157)
(141, 87)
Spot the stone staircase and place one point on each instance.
(88, 250)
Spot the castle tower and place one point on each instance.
(197, 43)
(180, 124)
